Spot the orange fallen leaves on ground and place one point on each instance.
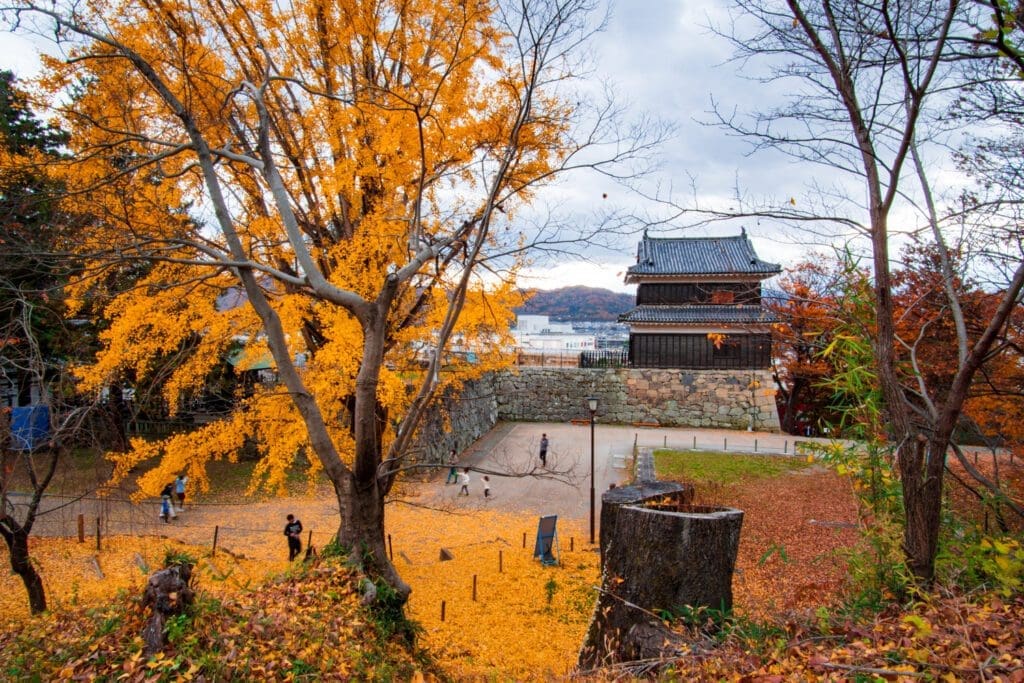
(528, 620)
(297, 626)
(77, 574)
(512, 629)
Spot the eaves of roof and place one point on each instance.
(659, 257)
(698, 314)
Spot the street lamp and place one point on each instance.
(592, 406)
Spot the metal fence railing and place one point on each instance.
(564, 358)
(604, 358)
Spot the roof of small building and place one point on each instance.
(695, 314)
(667, 256)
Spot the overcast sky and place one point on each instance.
(662, 61)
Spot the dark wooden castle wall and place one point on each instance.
(694, 351)
(668, 293)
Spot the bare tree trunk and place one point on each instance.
(791, 398)
(118, 414)
(16, 533)
(921, 522)
(361, 495)
(362, 532)
(21, 564)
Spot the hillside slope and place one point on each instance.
(259, 634)
(577, 304)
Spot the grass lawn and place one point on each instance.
(716, 467)
(82, 471)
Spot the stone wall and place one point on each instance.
(470, 414)
(671, 398)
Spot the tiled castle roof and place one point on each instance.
(698, 314)
(659, 256)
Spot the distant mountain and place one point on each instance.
(577, 304)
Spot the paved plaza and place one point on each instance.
(563, 488)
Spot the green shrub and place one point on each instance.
(174, 557)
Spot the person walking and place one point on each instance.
(464, 480)
(487, 486)
(166, 504)
(543, 450)
(453, 471)
(179, 489)
(293, 530)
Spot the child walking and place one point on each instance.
(464, 480)
(167, 503)
(179, 489)
(487, 486)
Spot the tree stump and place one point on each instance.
(615, 498)
(168, 593)
(660, 554)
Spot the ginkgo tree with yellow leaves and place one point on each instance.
(348, 169)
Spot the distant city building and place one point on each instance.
(538, 333)
(699, 304)
(541, 324)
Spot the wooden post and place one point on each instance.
(524, 539)
(391, 551)
(664, 443)
(309, 542)
(755, 445)
(785, 446)
(474, 587)
(725, 444)
(216, 530)
(572, 543)
(442, 611)
(500, 561)
(694, 442)
(98, 544)
(81, 528)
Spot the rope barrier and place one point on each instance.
(110, 499)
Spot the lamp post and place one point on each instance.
(592, 406)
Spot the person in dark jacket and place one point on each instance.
(293, 530)
(453, 472)
(166, 504)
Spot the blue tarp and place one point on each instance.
(30, 427)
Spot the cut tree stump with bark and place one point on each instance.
(613, 499)
(660, 555)
(168, 593)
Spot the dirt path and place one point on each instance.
(510, 449)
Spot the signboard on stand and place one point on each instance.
(546, 547)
